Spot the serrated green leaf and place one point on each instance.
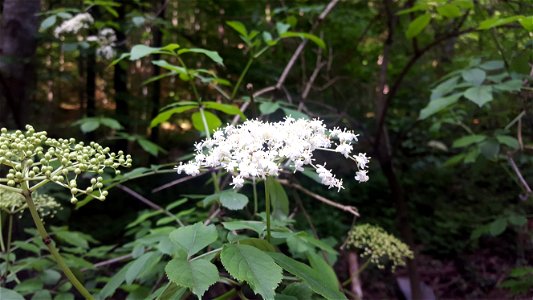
(444, 88)
(417, 25)
(475, 76)
(193, 238)
(480, 95)
(233, 200)
(255, 267)
(509, 141)
(213, 55)
(267, 108)
(225, 108)
(258, 243)
(197, 275)
(298, 290)
(213, 122)
(308, 275)
(72, 238)
(468, 140)
(436, 105)
(257, 226)
(138, 266)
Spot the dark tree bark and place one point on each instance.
(18, 42)
(157, 40)
(120, 79)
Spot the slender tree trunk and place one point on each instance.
(157, 41)
(120, 79)
(18, 42)
(384, 154)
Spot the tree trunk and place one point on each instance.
(120, 79)
(18, 42)
(157, 36)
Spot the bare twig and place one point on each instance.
(110, 261)
(215, 213)
(346, 208)
(149, 203)
(520, 177)
(172, 183)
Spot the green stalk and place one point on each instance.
(8, 247)
(255, 197)
(267, 210)
(241, 78)
(2, 246)
(52, 248)
(216, 183)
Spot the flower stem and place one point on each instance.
(52, 248)
(267, 210)
(2, 247)
(241, 78)
(255, 196)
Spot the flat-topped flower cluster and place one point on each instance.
(257, 149)
(32, 157)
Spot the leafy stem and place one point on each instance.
(51, 247)
(241, 78)
(267, 210)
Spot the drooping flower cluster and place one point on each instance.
(379, 247)
(106, 39)
(13, 203)
(257, 149)
(74, 24)
(33, 159)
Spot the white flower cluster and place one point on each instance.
(106, 40)
(74, 24)
(261, 149)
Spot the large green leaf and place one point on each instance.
(449, 10)
(147, 260)
(512, 85)
(497, 21)
(490, 148)
(480, 95)
(197, 275)
(310, 276)
(527, 23)
(213, 122)
(233, 200)
(436, 105)
(179, 70)
(475, 76)
(267, 108)
(114, 282)
(492, 65)
(213, 55)
(278, 197)
(225, 108)
(417, 25)
(140, 51)
(468, 140)
(165, 115)
(444, 88)
(509, 141)
(239, 27)
(319, 264)
(193, 238)
(10, 294)
(249, 264)
(256, 226)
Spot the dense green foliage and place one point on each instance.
(440, 93)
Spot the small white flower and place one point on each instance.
(361, 176)
(361, 160)
(238, 182)
(190, 169)
(344, 149)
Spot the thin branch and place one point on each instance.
(172, 183)
(520, 177)
(346, 208)
(149, 203)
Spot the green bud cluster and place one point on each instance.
(33, 157)
(379, 247)
(13, 203)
